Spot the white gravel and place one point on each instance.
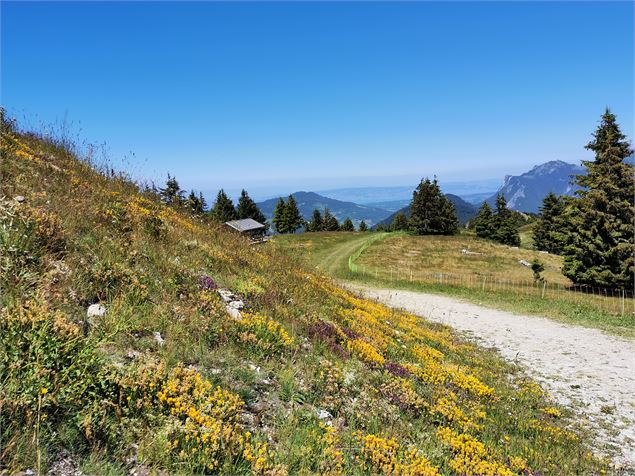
(585, 369)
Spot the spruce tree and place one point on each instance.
(223, 210)
(195, 203)
(548, 229)
(247, 208)
(280, 217)
(504, 224)
(293, 218)
(202, 202)
(330, 222)
(600, 246)
(347, 225)
(316, 223)
(362, 226)
(483, 222)
(400, 222)
(172, 193)
(431, 212)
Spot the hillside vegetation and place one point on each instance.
(305, 379)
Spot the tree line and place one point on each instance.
(223, 209)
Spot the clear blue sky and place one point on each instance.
(301, 95)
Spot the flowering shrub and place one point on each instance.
(401, 392)
(380, 455)
(206, 283)
(265, 334)
(470, 455)
(365, 352)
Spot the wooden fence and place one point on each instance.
(614, 301)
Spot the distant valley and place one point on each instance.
(379, 205)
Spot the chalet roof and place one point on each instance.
(246, 224)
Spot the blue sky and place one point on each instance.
(322, 95)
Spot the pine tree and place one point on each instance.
(504, 224)
(362, 226)
(223, 210)
(600, 246)
(400, 222)
(548, 229)
(280, 217)
(431, 212)
(293, 218)
(347, 225)
(316, 223)
(247, 208)
(172, 193)
(195, 203)
(202, 202)
(330, 222)
(483, 222)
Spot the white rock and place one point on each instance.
(95, 310)
(524, 262)
(236, 304)
(158, 339)
(214, 371)
(19, 198)
(234, 313)
(226, 295)
(323, 414)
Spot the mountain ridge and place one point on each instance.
(309, 201)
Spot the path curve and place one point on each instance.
(585, 369)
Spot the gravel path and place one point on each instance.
(583, 368)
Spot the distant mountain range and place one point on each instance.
(464, 210)
(309, 201)
(525, 192)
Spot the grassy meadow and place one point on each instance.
(309, 379)
(491, 276)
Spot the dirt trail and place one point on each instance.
(582, 368)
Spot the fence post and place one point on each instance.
(484, 278)
(623, 298)
(410, 274)
(544, 284)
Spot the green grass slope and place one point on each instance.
(399, 260)
(308, 380)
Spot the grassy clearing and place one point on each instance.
(311, 379)
(388, 261)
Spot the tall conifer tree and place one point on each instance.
(293, 218)
(347, 225)
(172, 193)
(504, 224)
(548, 230)
(431, 212)
(280, 217)
(483, 222)
(223, 210)
(600, 246)
(330, 222)
(316, 223)
(247, 208)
